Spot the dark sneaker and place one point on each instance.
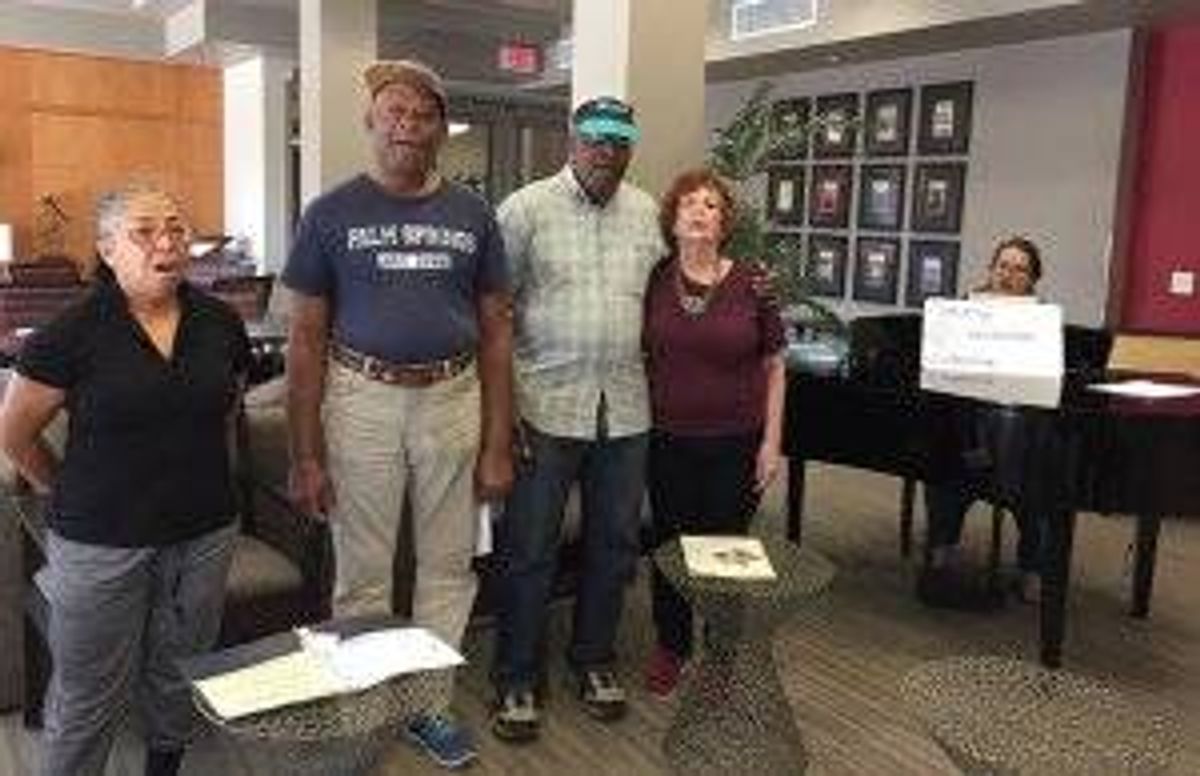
(445, 741)
(516, 717)
(601, 694)
(662, 672)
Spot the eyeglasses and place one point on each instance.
(604, 141)
(147, 235)
(1013, 266)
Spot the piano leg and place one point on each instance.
(795, 497)
(908, 494)
(1056, 573)
(1145, 553)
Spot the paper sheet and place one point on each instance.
(1147, 389)
(325, 666)
(483, 533)
(281, 681)
(371, 658)
(728, 557)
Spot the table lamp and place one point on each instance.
(6, 245)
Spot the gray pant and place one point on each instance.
(119, 618)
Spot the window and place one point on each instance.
(748, 18)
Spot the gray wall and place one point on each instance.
(1045, 150)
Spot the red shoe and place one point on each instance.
(662, 672)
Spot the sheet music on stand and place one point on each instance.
(992, 350)
(324, 666)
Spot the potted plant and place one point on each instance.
(741, 152)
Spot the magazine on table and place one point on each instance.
(726, 557)
(325, 665)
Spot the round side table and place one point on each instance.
(994, 715)
(733, 714)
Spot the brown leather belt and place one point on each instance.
(408, 375)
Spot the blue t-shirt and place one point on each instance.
(402, 275)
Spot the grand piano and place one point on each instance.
(1093, 453)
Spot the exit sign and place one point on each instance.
(520, 58)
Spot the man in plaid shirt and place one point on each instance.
(581, 245)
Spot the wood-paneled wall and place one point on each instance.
(74, 126)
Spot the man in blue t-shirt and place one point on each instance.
(399, 370)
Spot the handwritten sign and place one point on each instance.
(993, 350)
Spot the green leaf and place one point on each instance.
(741, 150)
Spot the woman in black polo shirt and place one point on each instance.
(141, 514)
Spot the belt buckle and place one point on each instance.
(371, 367)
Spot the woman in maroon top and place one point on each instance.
(714, 358)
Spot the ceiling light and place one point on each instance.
(458, 128)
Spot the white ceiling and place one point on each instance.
(148, 7)
(164, 7)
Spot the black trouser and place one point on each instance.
(946, 507)
(698, 485)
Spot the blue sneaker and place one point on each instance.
(444, 740)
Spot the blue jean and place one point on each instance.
(611, 473)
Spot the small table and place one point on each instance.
(733, 715)
(994, 715)
(343, 734)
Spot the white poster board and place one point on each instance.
(993, 350)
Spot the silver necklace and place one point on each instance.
(692, 304)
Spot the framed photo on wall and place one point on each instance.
(937, 201)
(825, 265)
(789, 129)
(881, 197)
(835, 127)
(785, 195)
(945, 126)
(932, 271)
(876, 269)
(887, 122)
(829, 196)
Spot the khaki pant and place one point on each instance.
(387, 443)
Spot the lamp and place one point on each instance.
(6, 246)
(203, 245)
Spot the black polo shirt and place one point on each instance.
(146, 461)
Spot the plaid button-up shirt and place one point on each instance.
(579, 274)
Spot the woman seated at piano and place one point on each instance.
(1013, 272)
(714, 343)
(141, 501)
